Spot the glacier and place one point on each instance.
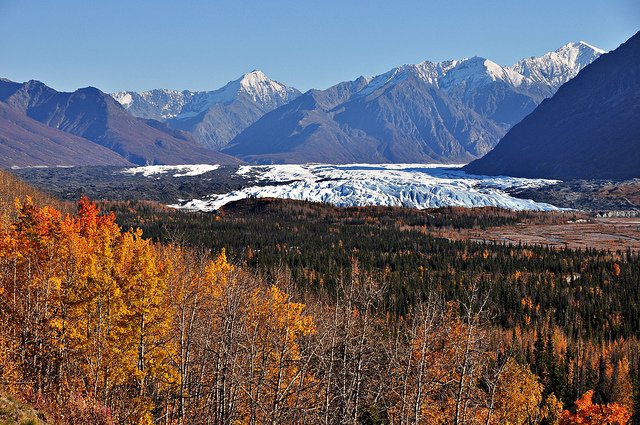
(402, 185)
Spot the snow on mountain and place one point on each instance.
(163, 104)
(158, 104)
(479, 71)
(552, 69)
(558, 67)
(212, 117)
(589, 129)
(266, 92)
(407, 185)
(450, 111)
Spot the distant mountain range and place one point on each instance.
(447, 112)
(590, 129)
(215, 117)
(95, 117)
(452, 111)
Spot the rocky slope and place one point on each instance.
(590, 129)
(452, 111)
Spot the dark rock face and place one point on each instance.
(590, 129)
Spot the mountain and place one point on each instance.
(588, 130)
(215, 117)
(556, 68)
(96, 116)
(451, 111)
(27, 142)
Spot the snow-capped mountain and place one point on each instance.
(549, 71)
(267, 93)
(213, 117)
(158, 104)
(556, 68)
(450, 111)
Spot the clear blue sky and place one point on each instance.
(202, 44)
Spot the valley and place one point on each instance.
(451, 241)
(207, 189)
(600, 214)
(617, 233)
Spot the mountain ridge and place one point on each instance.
(588, 130)
(19, 134)
(93, 115)
(217, 119)
(212, 117)
(450, 111)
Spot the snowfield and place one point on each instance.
(406, 185)
(178, 170)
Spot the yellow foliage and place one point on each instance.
(519, 396)
(93, 295)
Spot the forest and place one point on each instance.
(285, 312)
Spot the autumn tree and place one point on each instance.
(519, 396)
(279, 387)
(349, 357)
(84, 308)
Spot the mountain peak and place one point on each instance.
(578, 48)
(255, 75)
(543, 74)
(590, 46)
(263, 90)
(557, 67)
(476, 70)
(254, 78)
(587, 130)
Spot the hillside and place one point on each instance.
(14, 412)
(27, 142)
(96, 116)
(12, 188)
(588, 130)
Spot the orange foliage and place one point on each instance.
(595, 414)
(615, 270)
(85, 301)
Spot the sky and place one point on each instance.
(202, 44)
